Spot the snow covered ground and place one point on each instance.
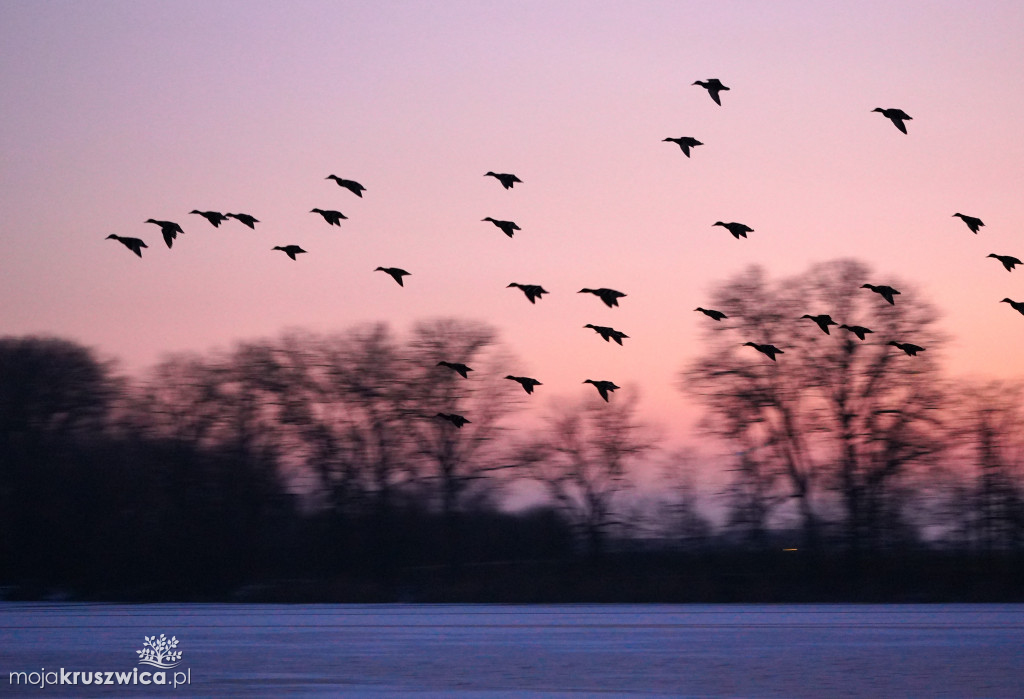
(504, 651)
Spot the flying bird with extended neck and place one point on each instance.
(1015, 305)
(767, 350)
(507, 227)
(395, 273)
(525, 381)
(460, 369)
(603, 387)
(713, 86)
(248, 220)
(858, 330)
(737, 229)
(1009, 261)
(289, 250)
(886, 292)
(332, 217)
(973, 222)
(133, 244)
(507, 180)
(170, 230)
(350, 185)
(908, 347)
(896, 116)
(608, 333)
(685, 143)
(532, 291)
(711, 313)
(609, 296)
(823, 321)
(214, 217)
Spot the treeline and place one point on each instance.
(314, 467)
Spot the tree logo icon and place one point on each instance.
(159, 652)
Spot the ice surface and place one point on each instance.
(503, 651)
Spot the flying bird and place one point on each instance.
(170, 229)
(214, 217)
(332, 217)
(350, 185)
(1008, 261)
(887, 292)
(525, 381)
(609, 296)
(133, 244)
(507, 227)
(909, 348)
(1015, 305)
(395, 273)
(248, 220)
(858, 330)
(460, 369)
(289, 250)
(685, 142)
(711, 313)
(767, 350)
(507, 180)
(603, 387)
(456, 420)
(713, 86)
(824, 320)
(972, 222)
(737, 229)
(532, 291)
(896, 116)
(608, 333)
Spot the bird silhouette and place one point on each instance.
(248, 220)
(1015, 305)
(532, 291)
(350, 185)
(909, 348)
(886, 292)
(737, 229)
(972, 222)
(507, 227)
(456, 420)
(214, 217)
(896, 116)
(767, 350)
(609, 296)
(824, 320)
(608, 333)
(713, 86)
(133, 244)
(460, 369)
(711, 313)
(858, 330)
(1008, 261)
(395, 273)
(289, 250)
(170, 229)
(332, 217)
(525, 381)
(603, 387)
(685, 143)
(507, 180)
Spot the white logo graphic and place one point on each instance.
(159, 652)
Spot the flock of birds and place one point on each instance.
(610, 297)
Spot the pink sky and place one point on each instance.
(115, 112)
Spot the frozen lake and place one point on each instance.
(504, 651)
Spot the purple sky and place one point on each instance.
(115, 112)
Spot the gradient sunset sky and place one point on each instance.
(115, 112)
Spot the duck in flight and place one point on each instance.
(525, 381)
(608, 333)
(887, 292)
(350, 185)
(609, 296)
(910, 348)
(289, 250)
(170, 229)
(603, 387)
(896, 116)
(737, 229)
(248, 220)
(1015, 305)
(858, 330)
(507, 180)
(133, 244)
(767, 350)
(460, 369)
(713, 86)
(972, 222)
(214, 217)
(456, 420)
(332, 217)
(532, 291)
(395, 273)
(824, 320)
(1009, 261)
(711, 313)
(507, 227)
(685, 142)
